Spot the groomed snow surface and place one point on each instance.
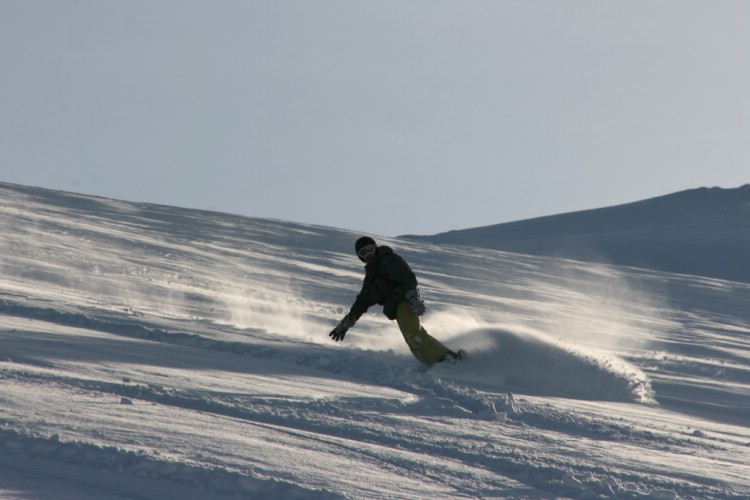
(156, 352)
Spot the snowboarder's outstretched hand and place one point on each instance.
(414, 298)
(339, 332)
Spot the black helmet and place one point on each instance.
(363, 242)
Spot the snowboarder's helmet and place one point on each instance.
(364, 246)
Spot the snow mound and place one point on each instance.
(528, 361)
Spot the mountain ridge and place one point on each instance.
(703, 231)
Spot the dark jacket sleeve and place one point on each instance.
(362, 303)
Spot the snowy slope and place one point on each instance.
(156, 352)
(705, 232)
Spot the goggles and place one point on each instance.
(366, 251)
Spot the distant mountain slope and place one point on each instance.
(703, 231)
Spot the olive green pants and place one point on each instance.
(425, 348)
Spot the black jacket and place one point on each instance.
(387, 278)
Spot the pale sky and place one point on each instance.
(387, 117)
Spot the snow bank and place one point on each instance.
(528, 360)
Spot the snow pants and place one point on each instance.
(425, 348)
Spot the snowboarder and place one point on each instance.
(390, 282)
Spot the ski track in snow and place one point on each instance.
(154, 352)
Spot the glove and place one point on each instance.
(414, 298)
(339, 332)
